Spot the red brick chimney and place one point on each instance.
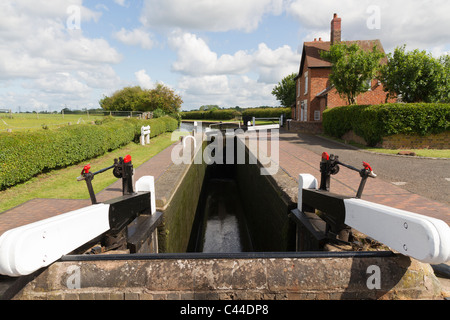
(336, 29)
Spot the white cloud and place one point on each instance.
(55, 9)
(135, 37)
(195, 58)
(144, 80)
(419, 24)
(225, 91)
(209, 78)
(121, 3)
(208, 15)
(274, 65)
(38, 51)
(61, 83)
(205, 85)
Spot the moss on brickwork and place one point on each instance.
(178, 192)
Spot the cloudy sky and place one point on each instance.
(232, 53)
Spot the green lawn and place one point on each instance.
(430, 153)
(36, 121)
(63, 184)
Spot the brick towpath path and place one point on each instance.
(297, 155)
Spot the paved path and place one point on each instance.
(424, 176)
(301, 153)
(298, 154)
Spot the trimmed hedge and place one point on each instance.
(226, 114)
(229, 114)
(23, 155)
(377, 121)
(266, 112)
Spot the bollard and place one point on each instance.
(145, 135)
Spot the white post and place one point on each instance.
(305, 181)
(145, 135)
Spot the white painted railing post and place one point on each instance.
(145, 135)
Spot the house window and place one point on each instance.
(316, 115)
(306, 82)
(298, 88)
(304, 115)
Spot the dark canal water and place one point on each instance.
(220, 225)
(225, 229)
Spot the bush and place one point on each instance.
(229, 114)
(266, 112)
(225, 114)
(375, 122)
(26, 154)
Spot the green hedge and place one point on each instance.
(229, 114)
(377, 121)
(226, 114)
(267, 112)
(26, 154)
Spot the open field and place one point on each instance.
(37, 121)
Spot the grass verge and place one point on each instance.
(429, 153)
(63, 184)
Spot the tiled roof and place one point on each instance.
(312, 50)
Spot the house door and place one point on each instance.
(300, 118)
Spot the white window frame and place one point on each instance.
(317, 115)
(304, 117)
(369, 83)
(306, 82)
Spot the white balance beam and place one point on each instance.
(420, 237)
(29, 248)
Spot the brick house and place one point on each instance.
(314, 93)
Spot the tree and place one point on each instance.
(285, 91)
(127, 99)
(164, 98)
(138, 99)
(416, 76)
(209, 107)
(445, 86)
(352, 68)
